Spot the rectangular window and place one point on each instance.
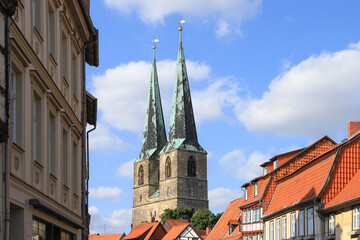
(293, 225)
(16, 108)
(245, 219)
(51, 32)
(253, 215)
(65, 157)
(271, 230)
(256, 189)
(246, 194)
(64, 56)
(74, 75)
(277, 232)
(36, 15)
(301, 223)
(51, 143)
(255, 237)
(37, 128)
(258, 214)
(310, 221)
(245, 238)
(356, 218)
(275, 164)
(74, 168)
(331, 224)
(284, 232)
(40, 230)
(265, 170)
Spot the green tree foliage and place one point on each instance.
(200, 219)
(176, 213)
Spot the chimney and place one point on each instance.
(353, 127)
(208, 230)
(152, 219)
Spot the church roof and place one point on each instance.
(182, 129)
(154, 136)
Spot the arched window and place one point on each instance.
(167, 168)
(141, 175)
(191, 167)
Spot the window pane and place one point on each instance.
(310, 216)
(301, 223)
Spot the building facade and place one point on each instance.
(169, 173)
(45, 184)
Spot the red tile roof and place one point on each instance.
(97, 236)
(233, 222)
(349, 192)
(235, 234)
(303, 185)
(141, 229)
(175, 232)
(221, 228)
(262, 184)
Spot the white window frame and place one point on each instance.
(284, 228)
(277, 230)
(331, 224)
(310, 221)
(301, 220)
(293, 225)
(256, 188)
(271, 230)
(275, 164)
(356, 218)
(246, 193)
(265, 170)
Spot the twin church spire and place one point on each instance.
(182, 129)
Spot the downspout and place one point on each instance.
(83, 148)
(88, 169)
(321, 217)
(7, 146)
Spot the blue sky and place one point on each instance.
(266, 77)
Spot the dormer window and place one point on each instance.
(246, 194)
(275, 163)
(265, 170)
(256, 188)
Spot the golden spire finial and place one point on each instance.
(155, 40)
(180, 27)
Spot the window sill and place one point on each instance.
(329, 237)
(355, 233)
(17, 148)
(38, 164)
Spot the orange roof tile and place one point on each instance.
(349, 192)
(175, 232)
(233, 222)
(236, 234)
(221, 228)
(176, 222)
(141, 229)
(301, 186)
(251, 198)
(97, 236)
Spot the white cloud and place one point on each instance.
(241, 166)
(123, 93)
(103, 139)
(111, 193)
(219, 198)
(222, 11)
(119, 221)
(316, 97)
(126, 169)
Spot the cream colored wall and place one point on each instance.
(343, 223)
(43, 74)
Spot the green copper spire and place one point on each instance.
(154, 136)
(182, 129)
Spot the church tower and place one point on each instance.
(181, 163)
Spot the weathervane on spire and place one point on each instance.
(181, 22)
(155, 40)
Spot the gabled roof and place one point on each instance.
(175, 231)
(221, 228)
(283, 157)
(116, 236)
(350, 192)
(154, 135)
(141, 230)
(174, 222)
(301, 186)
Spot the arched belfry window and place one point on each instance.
(168, 168)
(191, 167)
(141, 175)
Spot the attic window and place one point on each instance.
(246, 194)
(275, 163)
(265, 170)
(256, 188)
